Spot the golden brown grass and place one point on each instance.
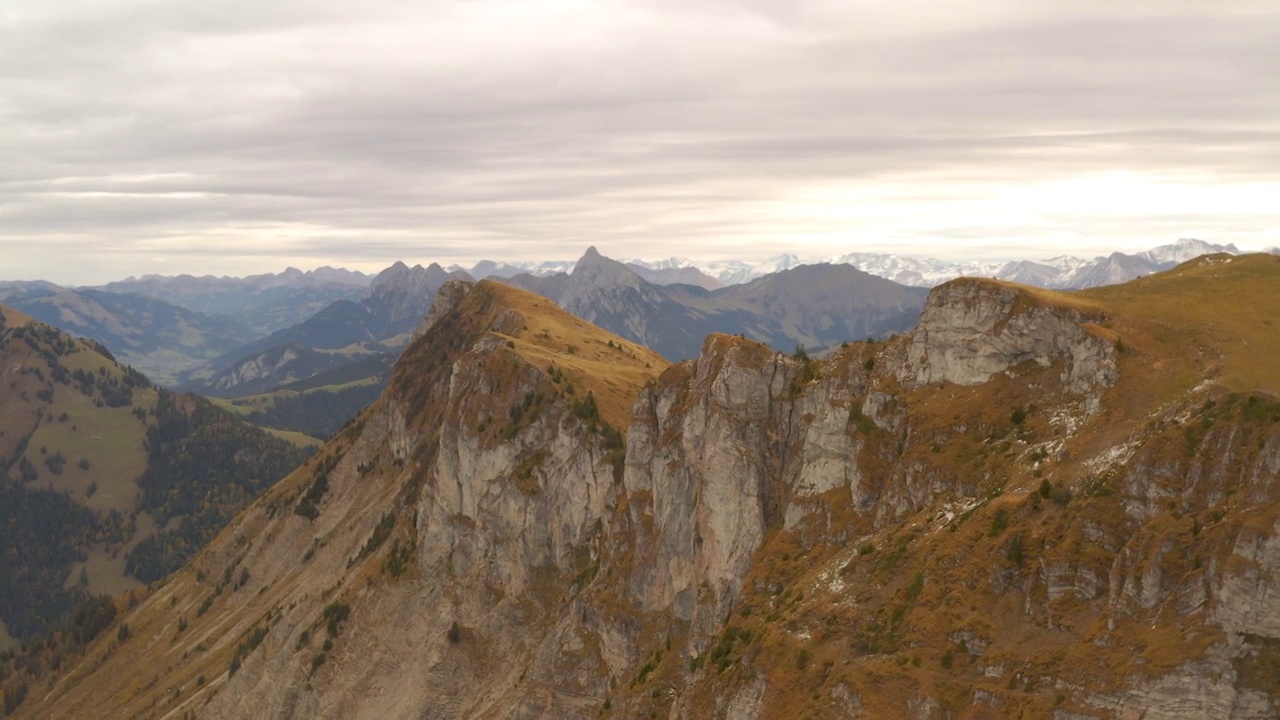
(1217, 316)
(1041, 296)
(611, 368)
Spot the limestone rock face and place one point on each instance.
(495, 513)
(445, 299)
(703, 462)
(265, 365)
(970, 331)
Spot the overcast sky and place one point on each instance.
(242, 136)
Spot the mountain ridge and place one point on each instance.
(875, 534)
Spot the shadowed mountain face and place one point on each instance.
(1033, 504)
(818, 306)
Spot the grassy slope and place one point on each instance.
(296, 438)
(247, 406)
(109, 438)
(1220, 313)
(599, 362)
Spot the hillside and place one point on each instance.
(107, 481)
(1034, 504)
(163, 341)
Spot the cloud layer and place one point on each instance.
(236, 137)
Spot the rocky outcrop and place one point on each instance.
(704, 464)
(266, 366)
(445, 300)
(972, 329)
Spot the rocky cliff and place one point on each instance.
(1034, 504)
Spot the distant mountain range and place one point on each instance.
(813, 305)
(341, 333)
(161, 339)
(235, 337)
(1062, 272)
(264, 303)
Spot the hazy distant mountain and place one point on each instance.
(610, 294)
(676, 276)
(1114, 269)
(1063, 271)
(160, 339)
(265, 303)
(820, 306)
(729, 272)
(813, 305)
(1029, 272)
(219, 323)
(10, 288)
(400, 295)
(1184, 250)
(489, 268)
(921, 272)
(1120, 267)
(343, 332)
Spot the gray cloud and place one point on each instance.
(162, 136)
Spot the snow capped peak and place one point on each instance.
(779, 263)
(490, 268)
(1062, 271)
(671, 263)
(1184, 250)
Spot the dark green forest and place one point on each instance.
(320, 413)
(203, 465)
(44, 532)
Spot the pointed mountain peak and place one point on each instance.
(592, 260)
(599, 271)
(394, 274)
